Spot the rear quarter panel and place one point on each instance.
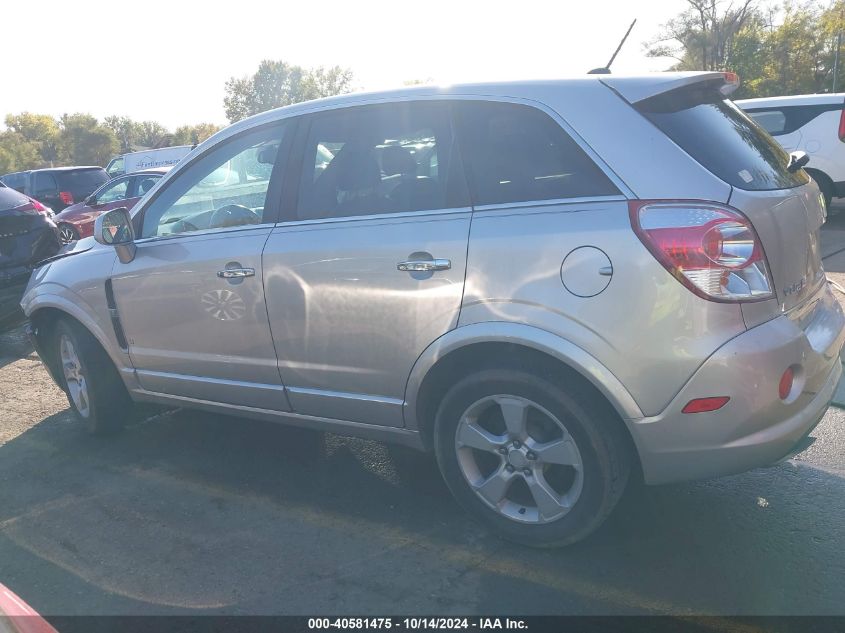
(645, 327)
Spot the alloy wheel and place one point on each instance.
(519, 459)
(77, 383)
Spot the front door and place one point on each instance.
(192, 301)
(367, 268)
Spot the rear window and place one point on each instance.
(722, 138)
(82, 179)
(9, 199)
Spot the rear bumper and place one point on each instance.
(755, 428)
(12, 286)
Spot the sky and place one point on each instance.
(169, 61)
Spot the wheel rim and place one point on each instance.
(66, 234)
(519, 459)
(77, 385)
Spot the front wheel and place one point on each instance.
(94, 390)
(539, 462)
(68, 233)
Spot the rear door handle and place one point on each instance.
(236, 273)
(424, 265)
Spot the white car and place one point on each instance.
(811, 123)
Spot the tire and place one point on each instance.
(562, 415)
(93, 387)
(825, 186)
(68, 233)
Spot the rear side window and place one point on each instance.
(721, 138)
(82, 180)
(15, 181)
(787, 119)
(773, 121)
(517, 153)
(44, 182)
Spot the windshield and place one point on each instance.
(722, 138)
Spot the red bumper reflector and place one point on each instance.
(785, 386)
(702, 405)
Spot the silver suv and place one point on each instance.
(552, 286)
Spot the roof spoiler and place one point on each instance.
(635, 89)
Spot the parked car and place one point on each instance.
(27, 235)
(57, 187)
(545, 310)
(77, 220)
(811, 123)
(147, 159)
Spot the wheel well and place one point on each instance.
(457, 364)
(43, 321)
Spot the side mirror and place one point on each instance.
(114, 228)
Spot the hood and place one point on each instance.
(74, 248)
(71, 210)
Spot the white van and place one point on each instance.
(811, 123)
(134, 161)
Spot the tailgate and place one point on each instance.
(788, 223)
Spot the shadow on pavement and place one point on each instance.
(188, 512)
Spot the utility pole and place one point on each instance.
(836, 59)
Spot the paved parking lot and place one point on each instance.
(192, 513)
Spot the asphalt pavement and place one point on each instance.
(190, 513)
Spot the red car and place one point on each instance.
(77, 221)
(16, 616)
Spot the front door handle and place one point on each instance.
(424, 265)
(236, 273)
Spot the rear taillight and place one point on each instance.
(40, 208)
(842, 125)
(66, 197)
(711, 249)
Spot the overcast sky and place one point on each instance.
(168, 61)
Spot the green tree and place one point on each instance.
(40, 129)
(17, 153)
(83, 141)
(194, 134)
(126, 131)
(151, 133)
(277, 83)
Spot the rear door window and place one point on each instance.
(773, 121)
(722, 138)
(517, 153)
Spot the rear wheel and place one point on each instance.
(542, 464)
(94, 390)
(68, 233)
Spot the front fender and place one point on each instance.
(526, 336)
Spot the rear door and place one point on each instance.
(367, 268)
(785, 207)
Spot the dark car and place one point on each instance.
(57, 187)
(27, 235)
(77, 221)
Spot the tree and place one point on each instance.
(40, 129)
(83, 141)
(702, 37)
(151, 133)
(277, 83)
(126, 131)
(17, 153)
(194, 134)
(776, 49)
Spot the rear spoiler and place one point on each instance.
(636, 89)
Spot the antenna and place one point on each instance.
(606, 69)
